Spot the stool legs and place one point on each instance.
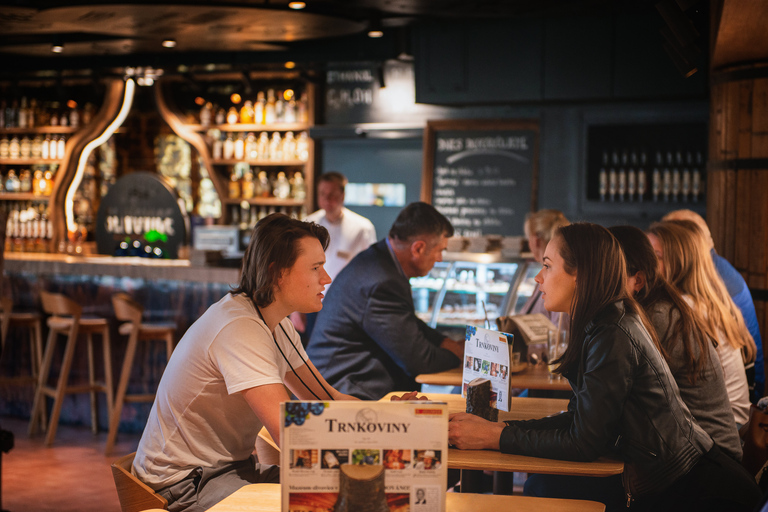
(38, 404)
(61, 387)
(125, 373)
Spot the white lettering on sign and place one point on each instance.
(138, 225)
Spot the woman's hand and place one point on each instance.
(470, 432)
(411, 395)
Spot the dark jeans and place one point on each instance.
(716, 483)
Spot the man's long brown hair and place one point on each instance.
(595, 257)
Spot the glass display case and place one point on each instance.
(470, 288)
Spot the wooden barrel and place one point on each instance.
(737, 183)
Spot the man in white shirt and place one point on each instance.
(350, 234)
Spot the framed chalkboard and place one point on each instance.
(482, 174)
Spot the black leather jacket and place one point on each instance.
(626, 405)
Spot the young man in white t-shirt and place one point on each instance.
(228, 374)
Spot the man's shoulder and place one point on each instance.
(315, 216)
(356, 219)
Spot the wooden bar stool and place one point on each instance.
(31, 320)
(130, 312)
(66, 318)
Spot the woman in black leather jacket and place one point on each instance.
(626, 403)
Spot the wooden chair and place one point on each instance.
(130, 312)
(66, 318)
(134, 495)
(267, 450)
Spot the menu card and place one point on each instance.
(487, 354)
(410, 439)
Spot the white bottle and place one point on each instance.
(622, 189)
(666, 187)
(631, 184)
(229, 147)
(686, 187)
(218, 147)
(675, 184)
(603, 183)
(656, 190)
(240, 147)
(44, 148)
(641, 184)
(612, 184)
(61, 147)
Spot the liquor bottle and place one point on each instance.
(641, 178)
(298, 187)
(251, 148)
(221, 116)
(622, 174)
(37, 147)
(2, 123)
(5, 147)
(675, 184)
(25, 147)
(74, 117)
(254, 218)
(38, 183)
(247, 113)
(12, 182)
(269, 108)
(259, 107)
(248, 186)
(234, 185)
(32, 113)
(61, 146)
(233, 116)
(282, 189)
(290, 111)
(14, 148)
(206, 114)
(53, 148)
(239, 151)
(289, 146)
(276, 147)
(217, 151)
(45, 152)
(229, 147)
(25, 181)
(666, 178)
(696, 178)
(303, 109)
(265, 189)
(613, 178)
(279, 108)
(22, 120)
(262, 146)
(48, 176)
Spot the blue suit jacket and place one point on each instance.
(367, 340)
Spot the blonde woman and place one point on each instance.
(539, 228)
(682, 249)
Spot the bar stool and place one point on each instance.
(66, 318)
(31, 320)
(130, 312)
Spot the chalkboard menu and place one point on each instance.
(140, 216)
(481, 174)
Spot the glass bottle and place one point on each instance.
(5, 147)
(217, 151)
(303, 109)
(25, 147)
(299, 187)
(251, 148)
(37, 147)
(262, 146)
(74, 118)
(246, 112)
(221, 116)
(45, 152)
(289, 146)
(12, 182)
(265, 189)
(248, 186)
(25, 181)
(206, 114)
(269, 109)
(302, 147)
(232, 116)
(53, 148)
(275, 147)
(239, 151)
(282, 187)
(14, 148)
(22, 115)
(234, 185)
(38, 183)
(279, 108)
(229, 147)
(61, 146)
(258, 108)
(290, 111)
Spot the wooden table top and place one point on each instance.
(521, 408)
(533, 377)
(266, 498)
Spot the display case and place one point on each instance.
(472, 288)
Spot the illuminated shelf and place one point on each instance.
(242, 127)
(262, 163)
(30, 161)
(21, 196)
(40, 129)
(264, 201)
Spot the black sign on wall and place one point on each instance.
(482, 175)
(141, 216)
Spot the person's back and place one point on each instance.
(706, 397)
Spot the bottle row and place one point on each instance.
(39, 182)
(50, 147)
(249, 184)
(28, 228)
(23, 114)
(249, 147)
(275, 107)
(248, 217)
(673, 179)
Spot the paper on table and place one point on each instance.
(488, 354)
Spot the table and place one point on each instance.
(533, 377)
(266, 498)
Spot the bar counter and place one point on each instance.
(169, 290)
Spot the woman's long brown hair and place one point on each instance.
(689, 327)
(688, 266)
(595, 257)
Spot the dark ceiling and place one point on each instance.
(101, 34)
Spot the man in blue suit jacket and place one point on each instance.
(367, 340)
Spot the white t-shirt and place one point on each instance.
(199, 417)
(351, 235)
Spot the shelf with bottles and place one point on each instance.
(26, 150)
(27, 184)
(53, 130)
(251, 127)
(28, 224)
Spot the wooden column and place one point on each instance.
(737, 194)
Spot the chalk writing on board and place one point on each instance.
(482, 182)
